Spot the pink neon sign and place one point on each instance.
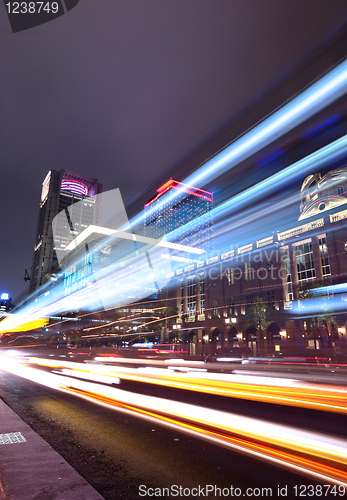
(74, 187)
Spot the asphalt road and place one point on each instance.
(117, 453)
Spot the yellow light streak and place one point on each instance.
(6, 326)
(302, 394)
(312, 453)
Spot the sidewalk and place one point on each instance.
(30, 469)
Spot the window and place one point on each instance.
(288, 285)
(230, 276)
(249, 272)
(271, 299)
(191, 297)
(324, 256)
(249, 299)
(231, 308)
(215, 308)
(182, 298)
(304, 260)
(202, 296)
(340, 189)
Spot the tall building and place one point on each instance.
(60, 190)
(183, 212)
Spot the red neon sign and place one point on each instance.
(172, 184)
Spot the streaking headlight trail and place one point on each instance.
(279, 391)
(146, 270)
(310, 453)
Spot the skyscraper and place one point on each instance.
(60, 190)
(183, 212)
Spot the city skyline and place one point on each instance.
(186, 322)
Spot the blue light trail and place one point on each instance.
(316, 97)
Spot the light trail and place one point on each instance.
(310, 453)
(323, 305)
(52, 302)
(331, 398)
(316, 97)
(320, 158)
(117, 285)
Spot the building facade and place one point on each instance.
(221, 298)
(183, 213)
(61, 190)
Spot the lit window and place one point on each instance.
(230, 276)
(215, 308)
(249, 271)
(202, 296)
(304, 261)
(324, 256)
(191, 297)
(288, 285)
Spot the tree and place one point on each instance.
(258, 317)
(258, 314)
(169, 314)
(326, 318)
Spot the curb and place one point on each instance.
(2, 492)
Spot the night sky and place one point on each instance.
(123, 90)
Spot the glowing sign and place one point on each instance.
(74, 187)
(5, 296)
(172, 184)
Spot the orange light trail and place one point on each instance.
(309, 453)
(293, 459)
(325, 397)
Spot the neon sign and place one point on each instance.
(172, 184)
(74, 187)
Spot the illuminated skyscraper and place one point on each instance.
(60, 190)
(183, 212)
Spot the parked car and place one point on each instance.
(230, 355)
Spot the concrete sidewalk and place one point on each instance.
(30, 469)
